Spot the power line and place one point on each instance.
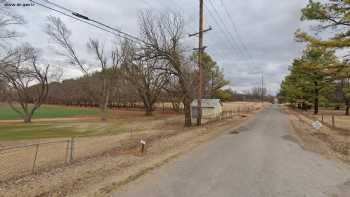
(75, 18)
(78, 19)
(229, 16)
(225, 34)
(229, 44)
(168, 8)
(55, 4)
(81, 18)
(230, 36)
(240, 44)
(129, 35)
(240, 40)
(89, 19)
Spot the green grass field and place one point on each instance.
(35, 130)
(58, 128)
(48, 111)
(21, 131)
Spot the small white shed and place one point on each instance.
(211, 108)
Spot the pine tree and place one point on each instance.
(309, 79)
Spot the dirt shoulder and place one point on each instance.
(331, 143)
(100, 175)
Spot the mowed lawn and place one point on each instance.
(65, 122)
(48, 111)
(55, 129)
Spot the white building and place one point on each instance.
(211, 108)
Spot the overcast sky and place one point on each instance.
(249, 37)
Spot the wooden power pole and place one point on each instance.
(262, 88)
(200, 66)
(200, 50)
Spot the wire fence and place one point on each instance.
(336, 143)
(336, 122)
(20, 161)
(229, 114)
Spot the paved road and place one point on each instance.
(264, 160)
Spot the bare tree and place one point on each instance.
(27, 82)
(7, 20)
(172, 93)
(60, 34)
(258, 92)
(107, 64)
(108, 72)
(2, 90)
(162, 35)
(147, 79)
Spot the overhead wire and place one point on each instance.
(87, 18)
(222, 22)
(240, 40)
(55, 4)
(119, 34)
(240, 44)
(223, 33)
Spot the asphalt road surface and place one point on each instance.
(263, 160)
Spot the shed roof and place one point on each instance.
(209, 103)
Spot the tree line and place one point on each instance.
(321, 76)
(125, 72)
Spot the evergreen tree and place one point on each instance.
(309, 79)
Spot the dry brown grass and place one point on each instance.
(19, 162)
(328, 141)
(242, 106)
(118, 164)
(341, 121)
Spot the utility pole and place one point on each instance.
(200, 49)
(200, 64)
(212, 84)
(262, 88)
(200, 54)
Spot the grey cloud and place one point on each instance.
(265, 26)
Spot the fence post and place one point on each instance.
(71, 149)
(333, 121)
(35, 157)
(67, 152)
(322, 118)
(131, 133)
